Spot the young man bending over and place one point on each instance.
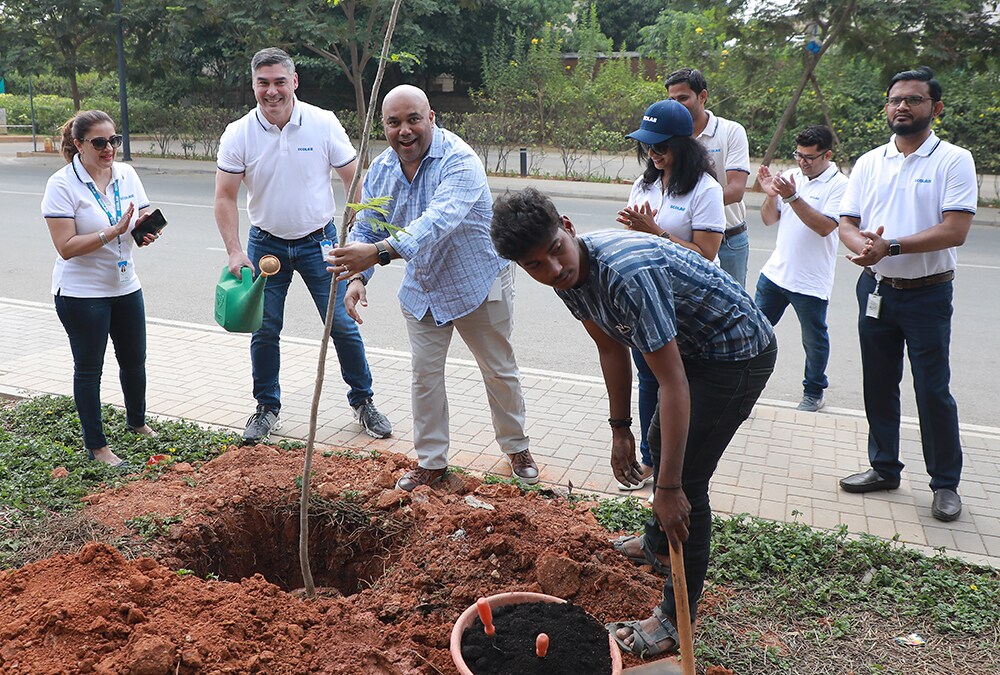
(710, 348)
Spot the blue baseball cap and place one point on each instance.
(662, 121)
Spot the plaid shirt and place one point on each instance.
(645, 291)
(446, 211)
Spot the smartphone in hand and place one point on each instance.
(151, 224)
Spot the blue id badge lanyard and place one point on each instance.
(122, 263)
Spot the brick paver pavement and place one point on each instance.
(782, 465)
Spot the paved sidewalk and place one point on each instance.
(782, 465)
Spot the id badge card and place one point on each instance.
(123, 272)
(874, 306)
(327, 247)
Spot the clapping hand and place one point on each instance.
(766, 180)
(639, 219)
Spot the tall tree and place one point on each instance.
(823, 25)
(65, 32)
(346, 32)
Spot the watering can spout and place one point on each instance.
(239, 302)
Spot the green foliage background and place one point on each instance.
(188, 60)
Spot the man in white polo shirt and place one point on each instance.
(908, 206)
(285, 151)
(805, 203)
(729, 150)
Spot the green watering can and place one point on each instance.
(239, 302)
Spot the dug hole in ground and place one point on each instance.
(216, 592)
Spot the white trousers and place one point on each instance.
(486, 331)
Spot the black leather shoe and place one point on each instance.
(947, 505)
(867, 481)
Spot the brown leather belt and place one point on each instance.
(920, 282)
(733, 231)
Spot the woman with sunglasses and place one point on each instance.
(678, 198)
(90, 206)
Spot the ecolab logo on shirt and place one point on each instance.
(305, 149)
(677, 208)
(923, 180)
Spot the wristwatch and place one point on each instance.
(792, 198)
(383, 253)
(894, 247)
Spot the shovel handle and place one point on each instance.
(686, 646)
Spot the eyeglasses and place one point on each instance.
(101, 143)
(656, 148)
(806, 158)
(911, 101)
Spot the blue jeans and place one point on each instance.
(305, 257)
(722, 397)
(920, 319)
(649, 390)
(772, 299)
(734, 256)
(88, 323)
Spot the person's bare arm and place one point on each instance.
(670, 504)
(769, 212)
(227, 219)
(69, 244)
(735, 187)
(616, 366)
(346, 174)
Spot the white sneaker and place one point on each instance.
(643, 483)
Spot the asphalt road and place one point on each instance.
(179, 274)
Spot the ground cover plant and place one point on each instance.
(202, 575)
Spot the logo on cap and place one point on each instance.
(647, 118)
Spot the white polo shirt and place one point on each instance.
(910, 194)
(94, 274)
(803, 261)
(681, 215)
(288, 172)
(729, 150)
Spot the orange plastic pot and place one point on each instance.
(517, 597)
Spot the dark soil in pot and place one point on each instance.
(577, 642)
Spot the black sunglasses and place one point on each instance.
(656, 148)
(101, 143)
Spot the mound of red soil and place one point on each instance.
(393, 571)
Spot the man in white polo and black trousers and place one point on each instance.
(908, 206)
(285, 152)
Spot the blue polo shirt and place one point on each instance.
(645, 291)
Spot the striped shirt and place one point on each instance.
(645, 291)
(446, 211)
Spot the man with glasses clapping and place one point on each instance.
(805, 203)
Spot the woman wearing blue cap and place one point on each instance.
(678, 198)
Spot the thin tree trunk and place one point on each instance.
(811, 64)
(307, 578)
(826, 116)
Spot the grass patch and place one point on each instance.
(786, 598)
(39, 434)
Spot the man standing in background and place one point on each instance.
(805, 204)
(727, 145)
(908, 207)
